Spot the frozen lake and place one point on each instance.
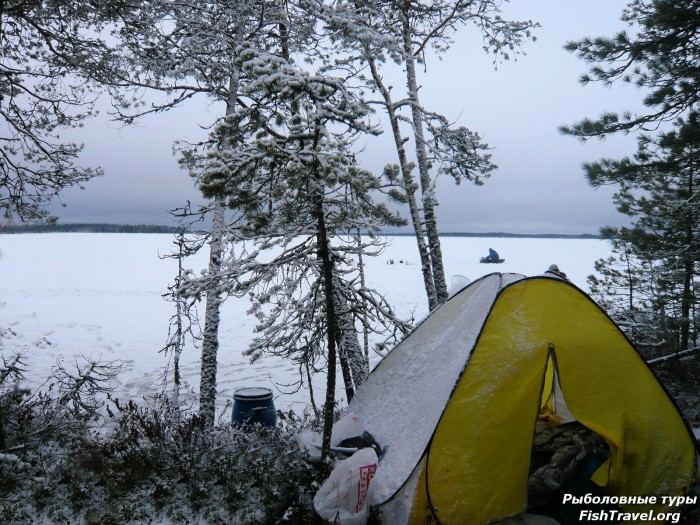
(100, 295)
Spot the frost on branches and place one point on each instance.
(373, 33)
(54, 55)
(284, 161)
(185, 49)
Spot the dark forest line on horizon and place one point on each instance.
(154, 228)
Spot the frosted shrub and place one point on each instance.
(147, 463)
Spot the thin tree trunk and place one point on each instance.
(327, 267)
(409, 185)
(361, 268)
(344, 359)
(324, 256)
(688, 273)
(3, 444)
(427, 187)
(179, 335)
(311, 389)
(212, 316)
(344, 350)
(685, 304)
(630, 277)
(348, 343)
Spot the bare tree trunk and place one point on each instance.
(409, 185)
(427, 187)
(179, 335)
(212, 316)
(357, 367)
(210, 340)
(686, 302)
(688, 273)
(344, 361)
(311, 388)
(327, 267)
(361, 268)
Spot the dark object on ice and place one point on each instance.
(487, 261)
(555, 271)
(254, 405)
(492, 257)
(366, 440)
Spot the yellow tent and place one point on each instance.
(457, 401)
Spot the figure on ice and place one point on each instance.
(492, 257)
(555, 271)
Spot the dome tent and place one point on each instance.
(457, 400)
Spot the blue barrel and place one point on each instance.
(254, 405)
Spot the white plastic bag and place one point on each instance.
(310, 442)
(343, 497)
(348, 426)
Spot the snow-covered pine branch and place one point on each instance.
(369, 33)
(85, 387)
(55, 56)
(285, 161)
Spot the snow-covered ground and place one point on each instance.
(100, 295)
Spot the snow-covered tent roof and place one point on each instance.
(457, 400)
(403, 398)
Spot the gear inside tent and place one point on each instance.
(465, 402)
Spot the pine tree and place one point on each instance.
(659, 190)
(184, 49)
(660, 55)
(54, 57)
(290, 171)
(624, 285)
(405, 32)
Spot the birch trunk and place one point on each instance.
(409, 185)
(427, 187)
(212, 316)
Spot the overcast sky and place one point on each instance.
(539, 186)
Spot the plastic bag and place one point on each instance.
(310, 442)
(348, 426)
(343, 497)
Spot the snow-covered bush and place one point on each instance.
(145, 464)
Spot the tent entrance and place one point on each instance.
(553, 407)
(565, 453)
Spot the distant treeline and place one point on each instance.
(90, 228)
(524, 235)
(515, 235)
(155, 228)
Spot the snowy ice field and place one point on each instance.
(100, 295)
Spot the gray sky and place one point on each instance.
(539, 186)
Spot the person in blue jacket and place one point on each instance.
(492, 256)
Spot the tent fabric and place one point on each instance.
(402, 399)
(477, 463)
(457, 400)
